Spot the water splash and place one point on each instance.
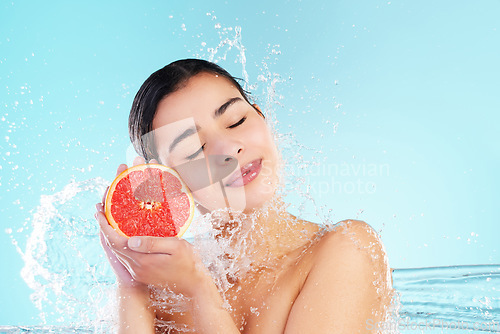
(63, 262)
(226, 44)
(72, 281)
(248, 252)
(467, 297)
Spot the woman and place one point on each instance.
(299, 277)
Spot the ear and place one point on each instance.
(257, 108)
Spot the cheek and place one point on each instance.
(258, 135)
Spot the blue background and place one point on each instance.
(410, 87)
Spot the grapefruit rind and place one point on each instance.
(142, 167)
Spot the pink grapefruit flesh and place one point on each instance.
(149, 199)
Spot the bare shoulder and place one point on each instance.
(349, 279)
(350, 236)
(351, 244)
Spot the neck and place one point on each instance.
(261, 237)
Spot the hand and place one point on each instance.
(117, 264)
(167, 262)
(123, 276)
(161, 262)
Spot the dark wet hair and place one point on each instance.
(161, 83)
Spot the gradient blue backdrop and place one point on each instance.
(398, 101)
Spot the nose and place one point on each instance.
(224, 151)
(220, 160)
(222, 155)
(225, 160)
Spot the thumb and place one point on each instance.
(157, 245)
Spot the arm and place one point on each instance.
(172, 262)
(135, 315)
(135, 312)
(348, 287)
(160, 262)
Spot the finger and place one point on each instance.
(108, 247)
(139, 161)
(153, 161)
(105, 246)
(104, 195)
(114, 239)
(121, 169)
(115, 242)
(122, 255)
(126, 262)
(154, 245)
(100, 207)
(114, 257)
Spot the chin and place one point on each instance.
(261, 196)
(237, 199)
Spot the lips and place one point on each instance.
(245, 175)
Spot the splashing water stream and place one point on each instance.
(73, 284)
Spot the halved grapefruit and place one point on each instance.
(149, 199)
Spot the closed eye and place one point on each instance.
(195, 154)
(237, 123)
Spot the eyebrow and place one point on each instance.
(189, 132)
(222, 109)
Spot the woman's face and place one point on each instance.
(219, 144)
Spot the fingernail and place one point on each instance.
(100, 207)
(134, 242)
